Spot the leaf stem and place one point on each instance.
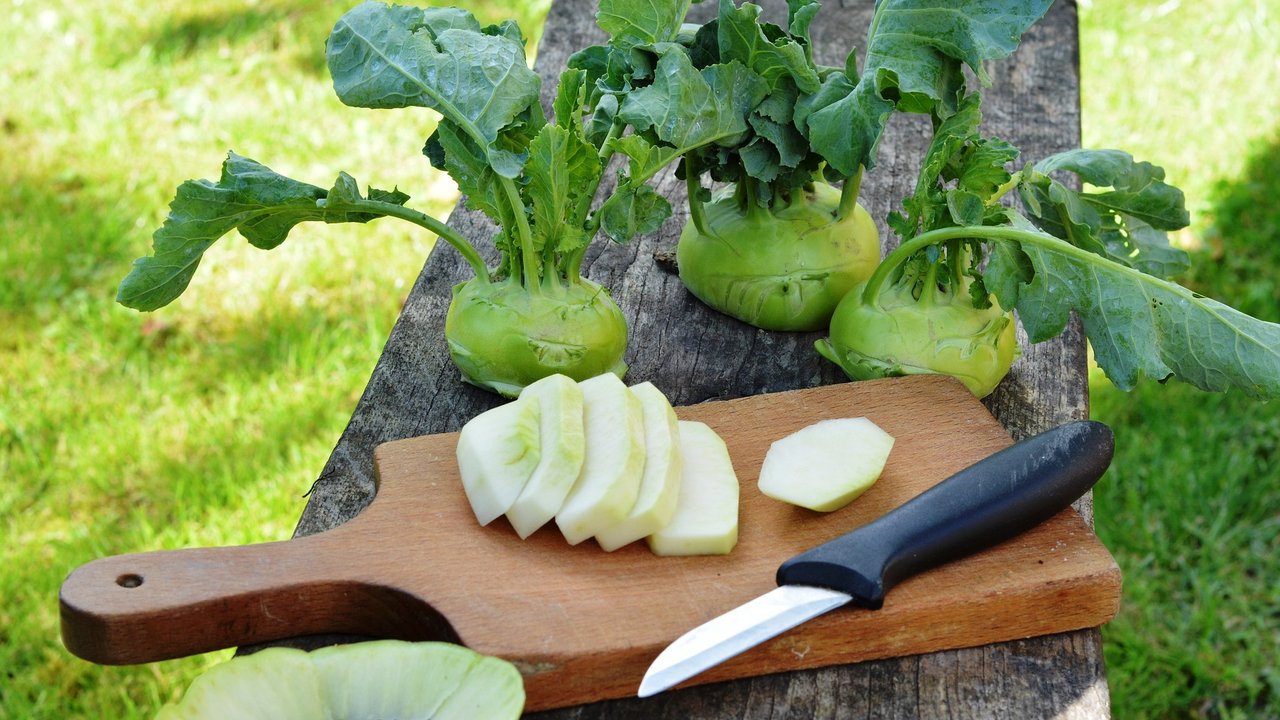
(990, 232)
(446, 233)
(528, 258)
(693, 188)
(849, 194)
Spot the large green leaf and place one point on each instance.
(773, 56)
(263, 205)
(915, 53)
(687, 108)
(384, 56)
(633, 23)
(1126, 218)
(563, 171)
(1136, 323)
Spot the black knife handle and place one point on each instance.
(983, 505)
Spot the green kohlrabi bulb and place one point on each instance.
(504, 337)
(939, 332)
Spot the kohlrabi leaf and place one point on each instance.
(633, 23)
(563, 171)
(1125, 219)
(384, 56)
(637, 209)
(263, 205)
(634, 208)
(1136, 323)
(450, 149)
(915, 53)
(775, 57)
(687, 108)
(800, 15)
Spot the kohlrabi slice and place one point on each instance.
(377, 680)
(606, 489)
(272, 684)
(560, 407)
(493, 689)
(660, 485)
(388, 679)
(391, 678)
(497, 453)
(825, 466)
(706, 517)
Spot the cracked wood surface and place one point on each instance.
(695, 354)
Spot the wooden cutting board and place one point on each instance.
(583, 624)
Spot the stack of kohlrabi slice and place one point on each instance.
(604, 461)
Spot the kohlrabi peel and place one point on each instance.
(827, 465)
(375, 680)
(498, 451)
(706, 516)
(606, 489)
(660, 484)
(563, 447)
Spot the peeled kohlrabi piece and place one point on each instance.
(825, 466)
(497, 453)
(613, 428)
(375, 680)
(706, 517)
(660, 485)
(560, 407)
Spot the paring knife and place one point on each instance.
(981, 506)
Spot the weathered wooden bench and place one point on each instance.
(695, 354)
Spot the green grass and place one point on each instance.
(1191, 508)
(205, 423)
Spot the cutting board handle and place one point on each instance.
(144, 607)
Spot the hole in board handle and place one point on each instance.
(129, 580)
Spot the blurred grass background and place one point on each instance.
(205, 423)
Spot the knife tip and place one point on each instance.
(649, 687)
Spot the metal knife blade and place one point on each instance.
(983, 505)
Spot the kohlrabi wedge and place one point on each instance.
(563, 447)
(660, 484)
(376, 680)
(706, 517)
(498, 451)
(827, 465)
(606, 489)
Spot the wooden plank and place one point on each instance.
(698, 355)
(583, 624)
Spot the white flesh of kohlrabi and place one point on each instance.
(497, 453)
(606, 490)
(706, 517)
(560, 401)
(826, 465)
(660, 484)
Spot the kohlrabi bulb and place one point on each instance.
(940, 332)
(503, 337)
(784, 268)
